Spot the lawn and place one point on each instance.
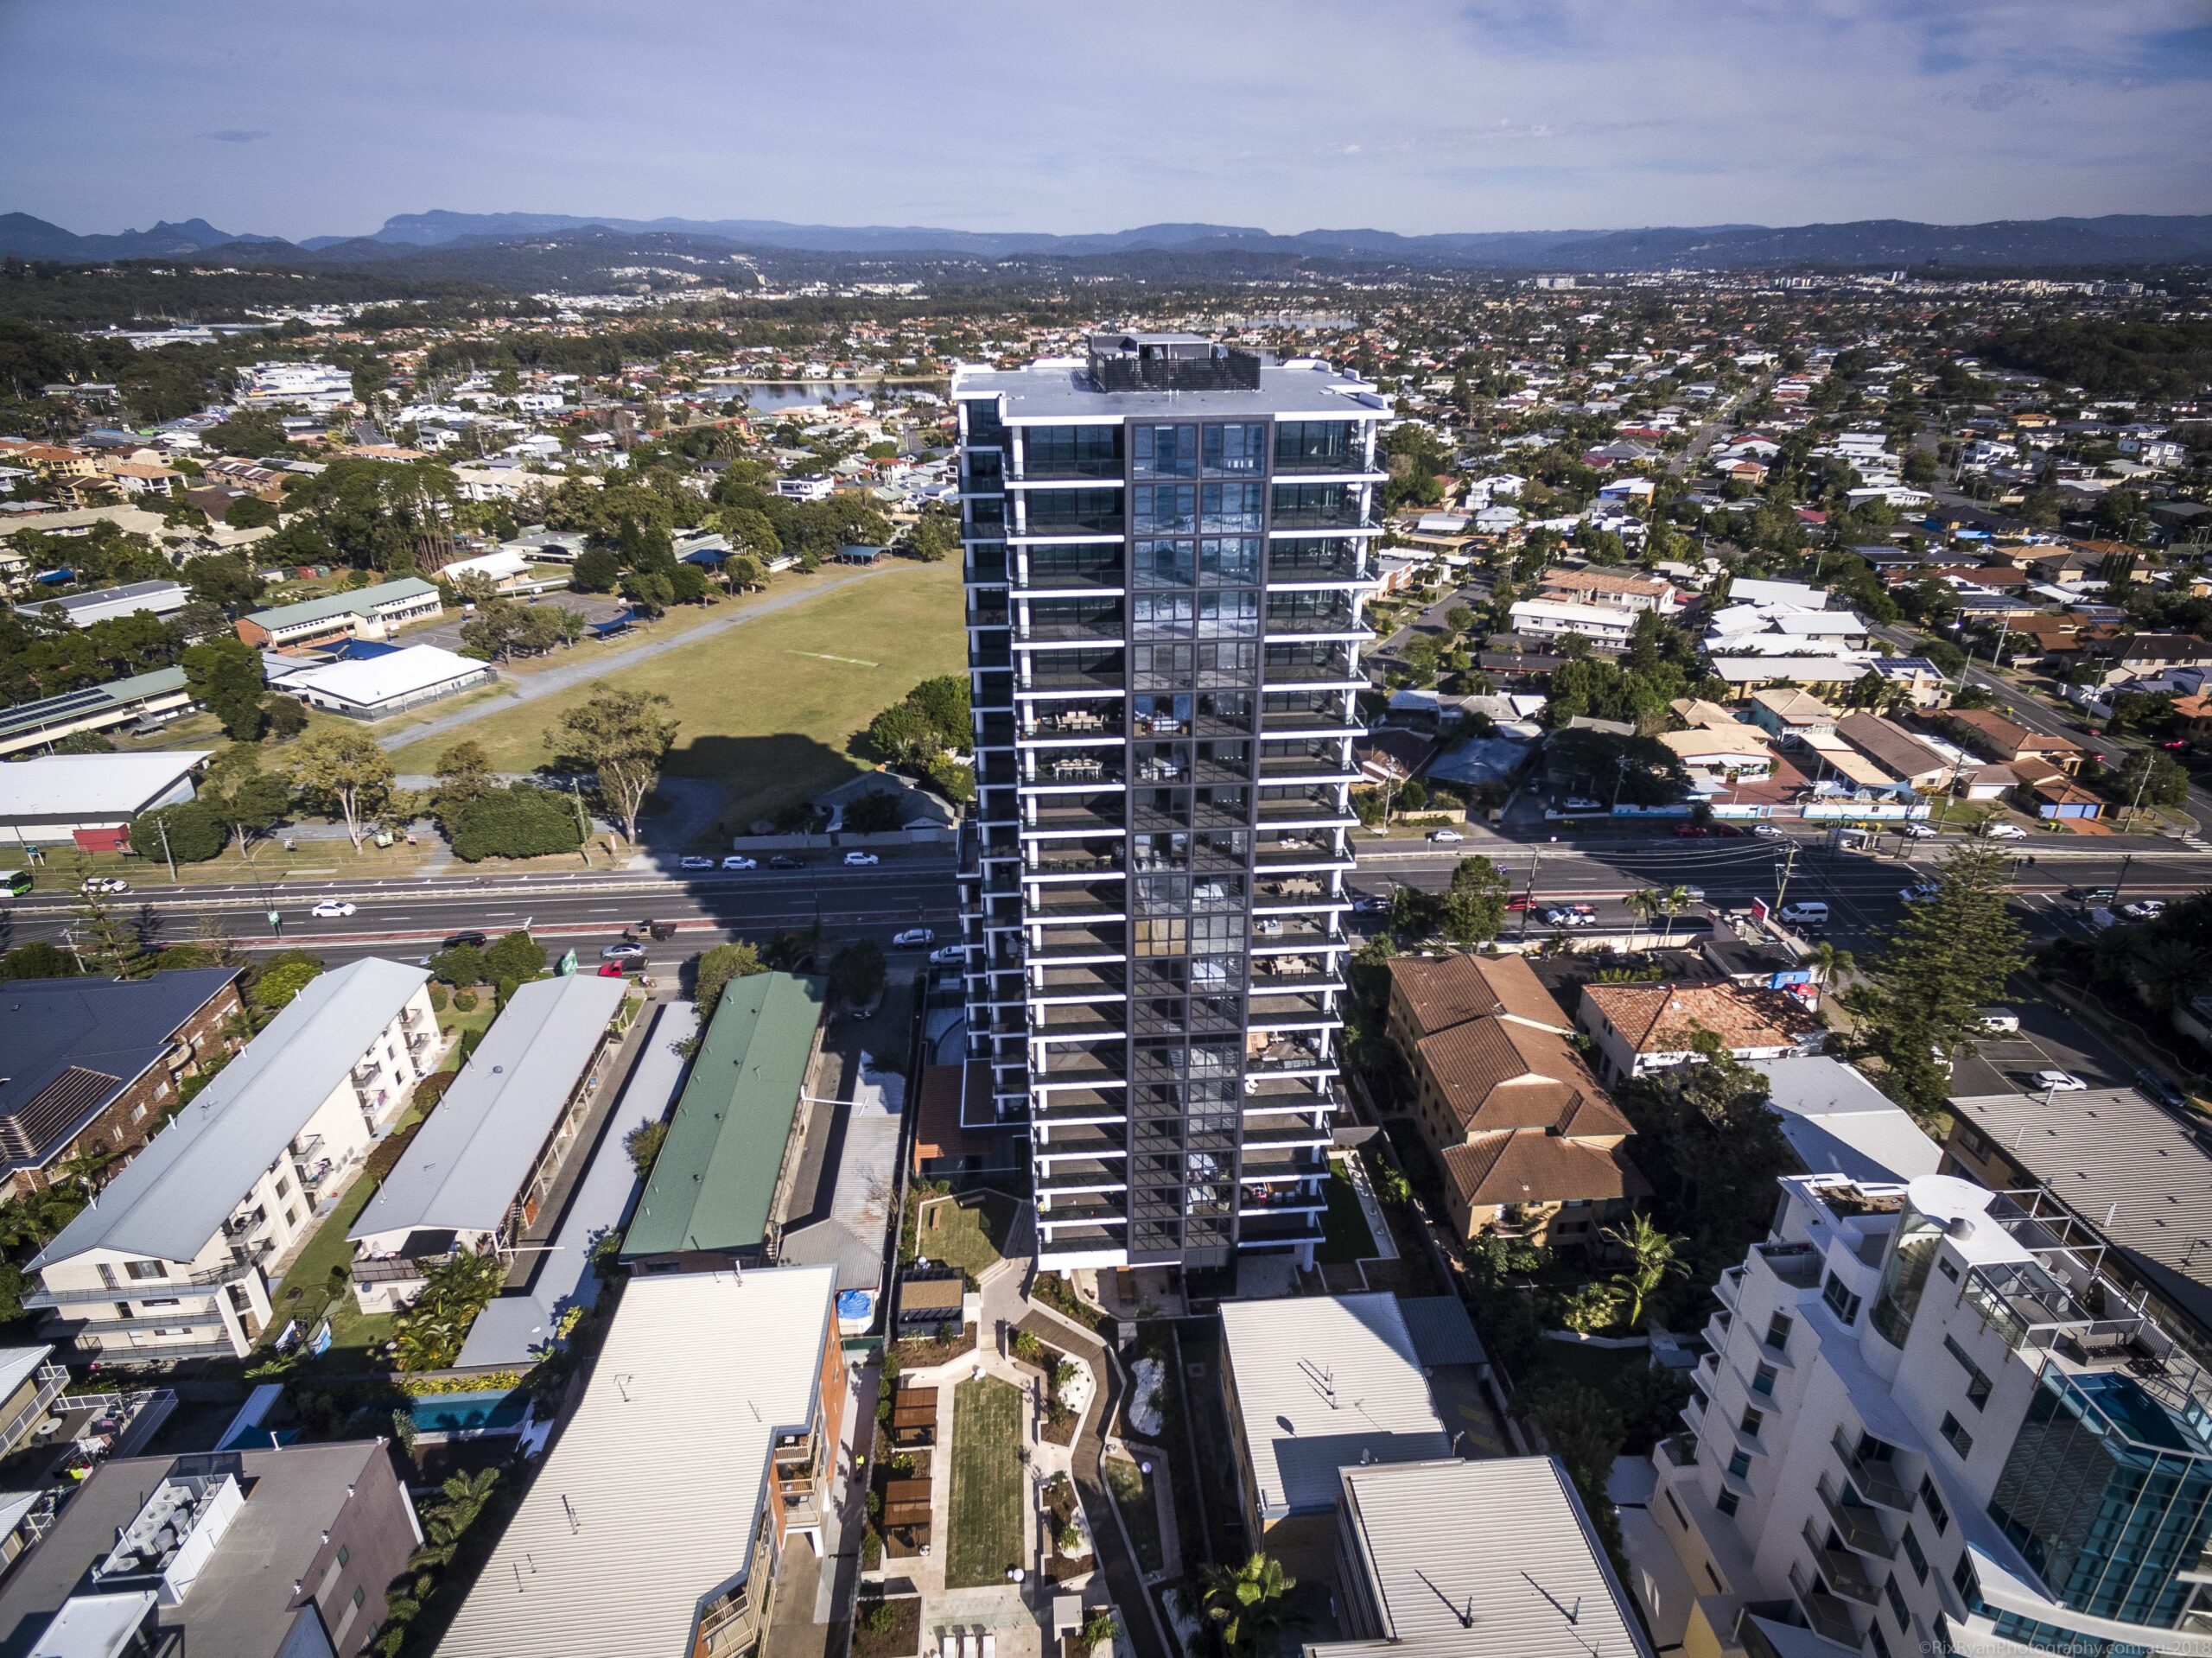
(965, 1231)
(985, 1515)
(1345, 1234)
(1133, 1492)
(768, 708)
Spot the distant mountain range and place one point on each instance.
(2116, 239)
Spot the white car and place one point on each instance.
(1918, 831)
(739, 860)
(861, 860)
(695, 863)
(913, 938)
(2005, 832)
(1920, 893)
(2144, 909)
(1445, 834)
(1582, 804)
(332, 909)
(106, 884)
(1571, 915)
(1767, 832)
(949, 955)
(2059, 1081)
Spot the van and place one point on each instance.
(1999, 1021)
(1812, 911)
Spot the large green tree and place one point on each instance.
(226, 676)
(1474, 905)
(623, 738)
(346, 773)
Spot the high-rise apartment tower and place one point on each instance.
(1167, 546)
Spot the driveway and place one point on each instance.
(590, 663)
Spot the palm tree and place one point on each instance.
(1832, 963)
(1245, 1604)
(1650, 1261)
(2167, 970)
(1671, 902)
(1642, 904)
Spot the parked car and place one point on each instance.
(2059, 1081)
(1767, 832)
(1582, 804)
(1920, 892)
(2161, 1089)
(912, 938)
(739, 860)
(2144, 909)
(1918, 831)
(1445, 834)
(784, 860)
(1729, 831)
(861, 860)
(695, 863)
(1997, 1021)
(2005, 832)
(949, 955)
(625, 952)
(332, 909)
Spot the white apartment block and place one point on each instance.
(316, 387)
(168, 1261)
(1605, 624)
(1930, 1423)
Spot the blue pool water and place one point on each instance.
(498, 1410)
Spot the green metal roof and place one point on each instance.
(358, 602)
(716, 1178)
(93, 699)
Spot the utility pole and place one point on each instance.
(1789, 867)
(2134, 805)
(1528, 892)
(162, 824)
(2121, 879)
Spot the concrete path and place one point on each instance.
(589, 668)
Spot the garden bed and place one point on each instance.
(1136, 1493)
(916, 1354)
(884, 1628)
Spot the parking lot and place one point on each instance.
(592, 607)
(2048, 1039)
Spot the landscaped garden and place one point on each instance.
(987, 1500)
(964, 1230)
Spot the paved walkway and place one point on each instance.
(589, 667)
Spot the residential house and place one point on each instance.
(1314, 1384)
(94, 1065)
(477, 1174)
(167, 1264)
(1992, 735)
(1607, 588)
(705, 1441)
(256, 1554)
(1737, 750)
(1902, 756)
(1792, 715)
(1528, 1143)
(1924, 684)
(1641, 1028)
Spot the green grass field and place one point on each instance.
(1345, 1234)
(985, 1515)
(1134, 1493)
(965, 1231)
(767, 708)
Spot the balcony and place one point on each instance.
(1323, 761)
(1079, 1019)
(1281, 1135)
(1051, 673)
(1277, 1228)
(1329, 668)
(1091, 630)
(1302, 853)
(988, 612)
(1102, 721)
(1083, 944)
(1306, 806)
(1842, 1568)
(1876, 1479)
(1292, 562)
(1681, 1450)
(1078, 1107)
(1051, 769)
(1080, 1211)
(1336, 622)
(1062, 858)
(1291, 715)
(1066, 818)
(1286, 1058)
(1330, 459)
(1075, 1065)
(1347, 511)
(1830, 1617)
(1264, 1010)
(1270, 1164)
(1049, 573)
(1047, 515)
(1859, 1525)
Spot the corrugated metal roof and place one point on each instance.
(647, 1503)
(716, 1178)
(1442, 1332)
(358, 602)
(465, 1164)
(2134, 1174)
(1484, 1560)
(93, 786)
(172, 1196)
(1325, 1382)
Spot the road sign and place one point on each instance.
(274, 920)
(567, 963)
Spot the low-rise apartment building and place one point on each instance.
(94, 1064)
(269, 1554)
(477, 1174)
(1528, 1144)
(169, 1263)
(371, 612)
(705, 1440)
(1605, 626)
(1641, 1028)
(1929, 1422)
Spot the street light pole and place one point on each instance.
(162, 824)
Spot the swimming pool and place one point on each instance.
(498, 1410)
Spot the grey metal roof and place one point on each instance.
(2135, 1173)
(466, 1162)
(1838, 1122)
(1322, 1382)
(172, 1196)
(1063, 390)
(111, 1027)
(243, 1601)
(1494, 1559)
(70, 603)
(1442, 1332)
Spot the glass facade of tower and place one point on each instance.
(1165, 582)
(2108, 1493)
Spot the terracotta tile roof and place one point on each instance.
(1444, 991)
(1494, 1074)
(1662, 1018)
(1596, 582)
(1531, 1168)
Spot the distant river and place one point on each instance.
(768, 395)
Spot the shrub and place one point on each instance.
(439, 997)
(462, 965)
(516, 956)
(521, 821)
(464, 1001)
(194, 833)
(278, 985)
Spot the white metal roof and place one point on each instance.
(1493, 1559)
(372, 680)
(1840, 1123)
(92, 786)
(1324, 1383)
(465, 1164)
(172, 1196)
(647, 1503)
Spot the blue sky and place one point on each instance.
(296, 120)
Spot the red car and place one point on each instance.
(1692, 831)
